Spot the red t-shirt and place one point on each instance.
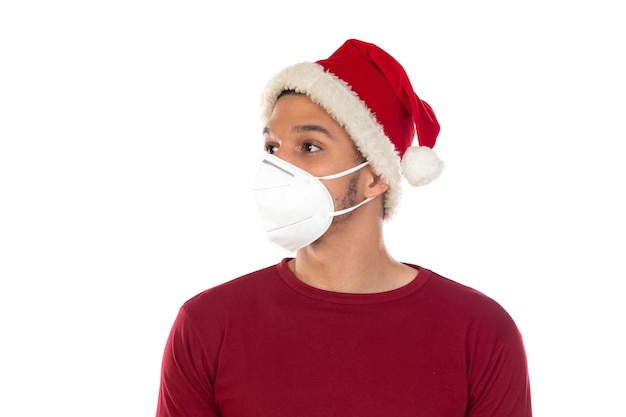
(268, 345)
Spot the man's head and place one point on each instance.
(302, 133)
(367, 92)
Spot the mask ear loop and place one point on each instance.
(343, 173)
(349, 209)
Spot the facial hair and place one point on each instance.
(347, 200)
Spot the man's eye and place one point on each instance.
(309, 147)
(271, 149)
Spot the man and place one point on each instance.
(342, 328)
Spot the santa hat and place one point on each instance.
(369, 94)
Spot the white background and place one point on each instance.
(129, 138)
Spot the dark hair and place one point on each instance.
(288, 92)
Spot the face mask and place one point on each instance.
(295, 208)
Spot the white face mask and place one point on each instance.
(295, 208)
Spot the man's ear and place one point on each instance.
(375, 184)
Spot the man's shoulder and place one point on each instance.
(466, 302)
(237, 291)
(455, 290)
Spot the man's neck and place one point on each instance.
(350, 267)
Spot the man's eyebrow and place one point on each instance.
(311, 128)
(303, 129)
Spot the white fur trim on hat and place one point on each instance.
(344, 105)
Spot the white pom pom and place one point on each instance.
(421, 165)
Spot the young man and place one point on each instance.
(342, 328)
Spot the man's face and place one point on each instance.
(305, 135)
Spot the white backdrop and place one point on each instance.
(129, 136)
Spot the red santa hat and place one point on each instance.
(369, 93)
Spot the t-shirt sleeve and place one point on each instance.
(186, 387)
(499, 383)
